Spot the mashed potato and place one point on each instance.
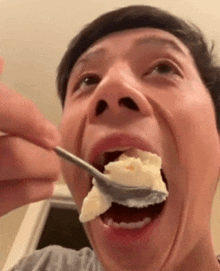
(94, 204)
(137, 168)
(133, 168)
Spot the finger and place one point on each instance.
(2, 63)
(20, 116)
(20, 193)
(20, 159)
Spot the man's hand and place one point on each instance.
(28, 165)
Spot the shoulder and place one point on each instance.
(58, 258)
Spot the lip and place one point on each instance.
(130, 236)
(118, 140)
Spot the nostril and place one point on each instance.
(101, 106)
(129, 103)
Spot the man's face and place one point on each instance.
(141, 88)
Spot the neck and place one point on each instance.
(200, 258)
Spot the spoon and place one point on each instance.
(118, 191)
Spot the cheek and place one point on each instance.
(77, 182)
(197, 136)
(188, 112)
(71, 129)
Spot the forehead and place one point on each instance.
(133, 38)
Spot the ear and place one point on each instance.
(2, 63)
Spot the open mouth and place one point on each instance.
(106, 158)
(126, 217)
(120, 216)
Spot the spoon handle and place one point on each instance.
(80, 162)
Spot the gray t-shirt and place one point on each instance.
(57, 258)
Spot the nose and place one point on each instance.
(118, 93)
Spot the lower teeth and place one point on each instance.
(123, 225)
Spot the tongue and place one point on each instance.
(121, 213)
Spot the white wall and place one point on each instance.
(34, 35)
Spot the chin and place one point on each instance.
(127, 248)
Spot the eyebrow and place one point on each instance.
(87, 56)
(160, 41)
(153, 40)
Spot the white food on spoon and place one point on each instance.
(133, 168)
(94, 204)
(137, 168)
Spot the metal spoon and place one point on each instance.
(118, 191)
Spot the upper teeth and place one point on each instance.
(118, 149)
(101, 159)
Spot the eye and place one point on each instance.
(87, 81)
(164, 68)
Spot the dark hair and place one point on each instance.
(144, 16)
